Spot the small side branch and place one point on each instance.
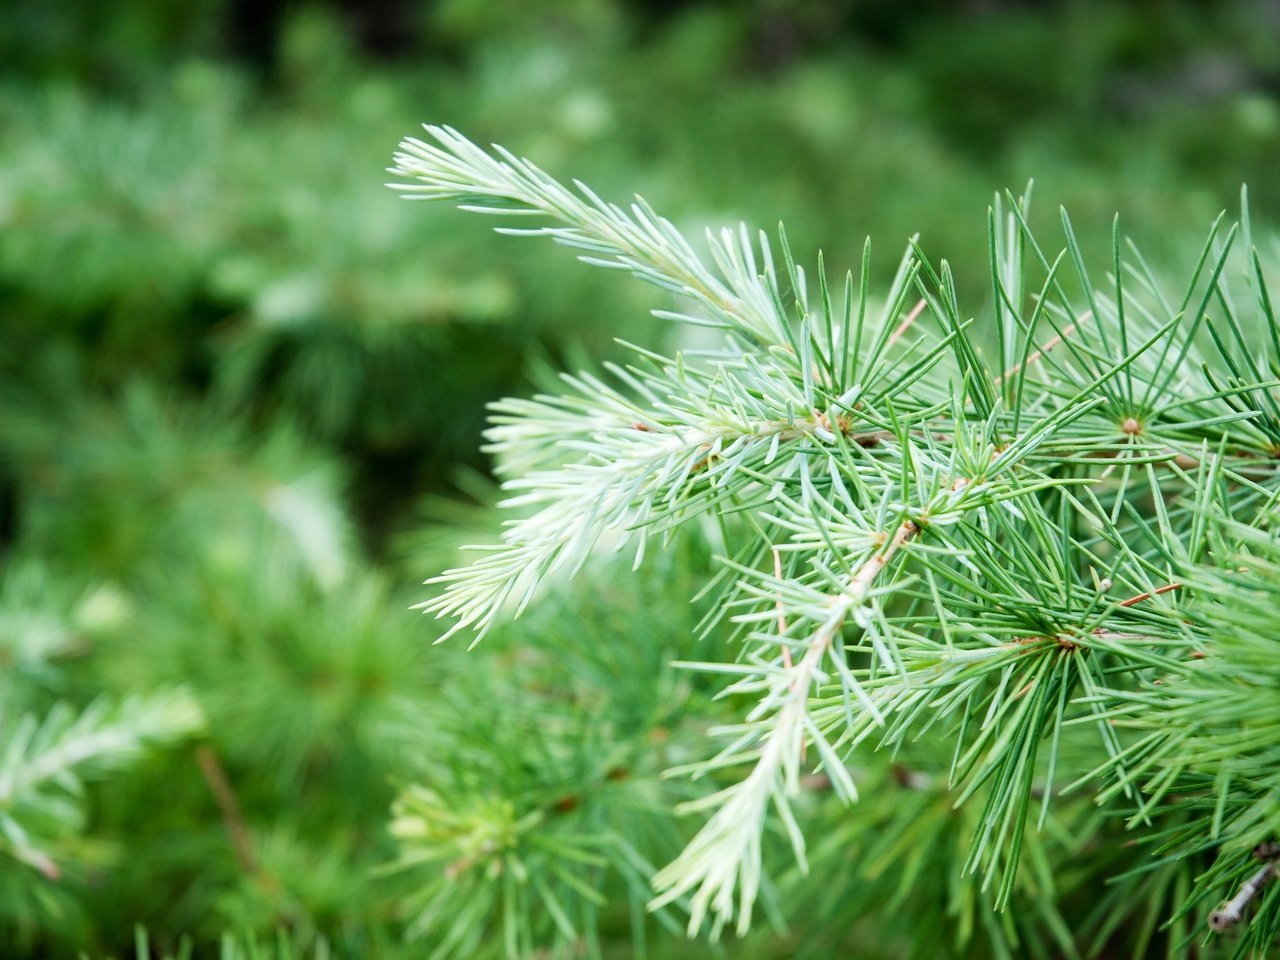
(1142, 597)
(723, 858)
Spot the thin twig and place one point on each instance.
(905, 325)
(1135, 600)
(288, 911)
(1037, 354)
(216, 777)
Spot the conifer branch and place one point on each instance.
(38, 754)
(636, 239)
(43, 760)
(1108, 454)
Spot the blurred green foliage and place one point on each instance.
(238, 380)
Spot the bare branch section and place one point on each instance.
(1233, 911)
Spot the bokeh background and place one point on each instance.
(242, 389)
